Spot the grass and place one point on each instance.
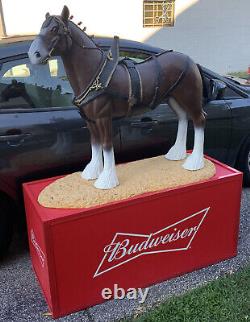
(224, 300)
(240, 74)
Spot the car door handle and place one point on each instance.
(144, 124)
(14, 138)
(10, 137)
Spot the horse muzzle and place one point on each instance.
(37, 53)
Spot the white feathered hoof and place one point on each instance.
(92, 170)
(176, 153)
(107, 179)
(194, 162)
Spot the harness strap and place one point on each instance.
(101, 79)
(136, 92)
(135, 85)
(130, 99)
(153, 103)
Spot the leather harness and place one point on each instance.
(135, 85)
(100, 82)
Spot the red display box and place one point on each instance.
(136, 242)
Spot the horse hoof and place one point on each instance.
(107, 180)
(194, 162)
(175, 154)
(92, 171)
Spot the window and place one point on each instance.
(136, 56)
(230, 94)
(23, 85)
(158, 13)
(53, 67)
(18, 71)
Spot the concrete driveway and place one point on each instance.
(21, 298)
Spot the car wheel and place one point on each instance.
(6, 227)
(243, 164)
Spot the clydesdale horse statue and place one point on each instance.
(105, 88)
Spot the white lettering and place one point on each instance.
(119, 289)
(120, 293)
(124, 248)
(165, 239)
(106, 293)
(143, 295)
(131, 294)
(144, 244)
(128, 246)
(118, 248)
(185, 233)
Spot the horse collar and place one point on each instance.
(102, 77)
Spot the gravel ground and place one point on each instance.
(22, 300)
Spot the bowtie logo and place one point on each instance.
(126, 247)
(38, 249)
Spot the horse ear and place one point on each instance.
(65, 13)
(47, 15)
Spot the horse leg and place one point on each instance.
(108, 178)
(95, 166)
(178, 150)
(196, 160)
(189, 96)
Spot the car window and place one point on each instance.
(23, 85)
(230, 94)
(137, 56)
(21, 70)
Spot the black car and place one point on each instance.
(42, 133)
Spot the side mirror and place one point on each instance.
(218, 88)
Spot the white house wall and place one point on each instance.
(214, 33)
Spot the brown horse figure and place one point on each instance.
(105, 89)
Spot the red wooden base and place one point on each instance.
(133, 243)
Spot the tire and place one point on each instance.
(243, 163)
(6, 227)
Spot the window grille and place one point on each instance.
(158, 13)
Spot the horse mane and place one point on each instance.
(80, 34)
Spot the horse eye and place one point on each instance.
(54, 29)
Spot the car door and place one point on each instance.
(158, 129)
(218, 129)
(150, 132)
(239, 104)
(41, 133)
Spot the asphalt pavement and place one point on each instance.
(21, 298)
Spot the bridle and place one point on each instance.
(64, 31)
(95, 85)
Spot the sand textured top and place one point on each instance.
(135, 178)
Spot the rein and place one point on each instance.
(64, 30)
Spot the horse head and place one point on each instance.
(54, 36)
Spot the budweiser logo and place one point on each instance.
(40, 253)
(126, 247)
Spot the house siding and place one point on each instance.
(213, 32)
